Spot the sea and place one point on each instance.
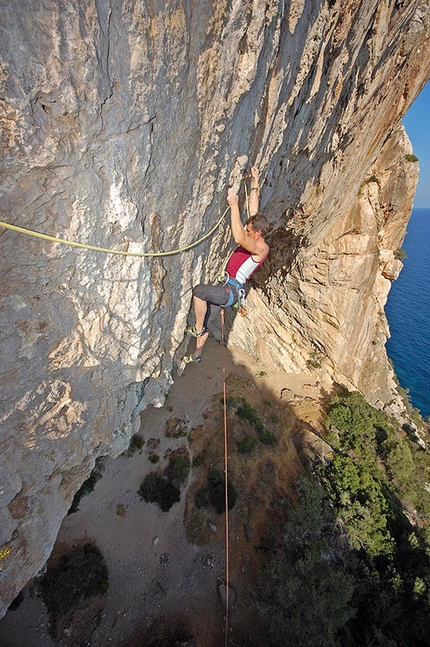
(408, 314)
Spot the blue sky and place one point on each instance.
(417, 124)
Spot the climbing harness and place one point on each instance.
(226, 279)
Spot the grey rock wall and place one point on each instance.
(321, 309)
(120, 126)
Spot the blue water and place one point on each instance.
(408, 313)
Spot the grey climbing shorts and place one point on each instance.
(217, 297)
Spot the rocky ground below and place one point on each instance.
(165, 568)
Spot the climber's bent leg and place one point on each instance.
(207, 300)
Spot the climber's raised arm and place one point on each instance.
(254, 195)
(248, 237)
(237, 227)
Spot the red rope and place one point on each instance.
(226, 480)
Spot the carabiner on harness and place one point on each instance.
(240, 305)
(224, 278)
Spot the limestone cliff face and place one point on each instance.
(121, 123)
(323, 309)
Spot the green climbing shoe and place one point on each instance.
(189, 359)
(192, 330)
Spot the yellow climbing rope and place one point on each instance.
(71, 243)
(54, 239)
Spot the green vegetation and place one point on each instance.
(136, 444)
(400, 254)
(305, 589)
(314, 360)
(178, 469)
(164, 489)
(375, 472)
(411, 158)
(153, 458)
(78, 576)
(347, 568)
(230, 401)
(155, 488)
(247, 413)
(388, 462)
(213, 492)
(372, 178)
(200, 459)
(87, 486)
(247, 445)
(176, 428)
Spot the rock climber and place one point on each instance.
(250, 253)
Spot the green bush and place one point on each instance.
(247, 445)
(249, 414)
(267, 437)
(202, 497)
(158, 489)
(178, 469)
(362, 503)
(304, 594)
(314, 360)
(230, 401)
(362, 427)
(246, 412)
(400, 254)
(348, 568)
(213, 492)
(374, 466)
(136, 444)
(411, 158)
(153, 458)
(200, 459)
(371, 179)
(78, 576)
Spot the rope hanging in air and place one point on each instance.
(63, 241)
(241, 161)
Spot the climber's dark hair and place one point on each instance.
(260, 223)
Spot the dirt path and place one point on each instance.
(155, 573)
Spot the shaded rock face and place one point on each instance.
(323, 309)
(120, 125)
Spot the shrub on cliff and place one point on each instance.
(87, 486)
(249, 414)
(372, 467)
(305, 590)
(78, 576)
(136, 445)
(158, 489)
(213, 492)
(178, 469)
